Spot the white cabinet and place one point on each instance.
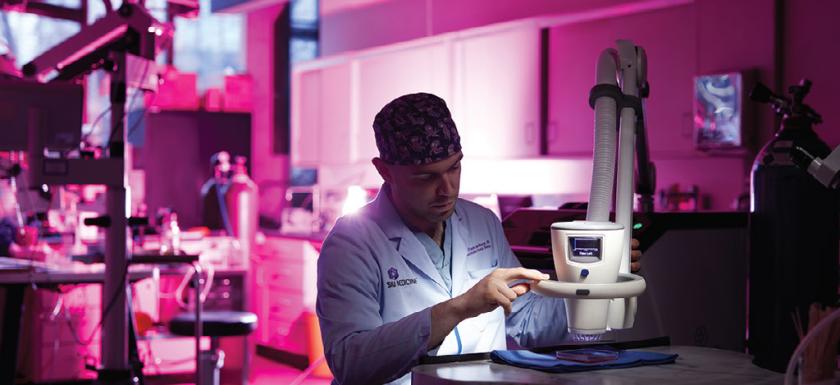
(384, 77)
(334, 104)
(285, 288)
(490, 81)
(320, 124)
(497, 93)
(306, 117)
(336, 101)
(672, 63)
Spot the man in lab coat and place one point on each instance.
(419, 271)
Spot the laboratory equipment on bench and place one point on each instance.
(793, 228)
(48, 126)
(592, 257)
(212, 191)
(231, 201)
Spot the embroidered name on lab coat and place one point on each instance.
(401, 282)
(393, 274)
(479, 247)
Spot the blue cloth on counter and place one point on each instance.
(550, 363)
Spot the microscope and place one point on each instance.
(44, 120)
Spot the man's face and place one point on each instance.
(427, 193)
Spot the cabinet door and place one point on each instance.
(261, 296)
(321, 103)
(386, 76)
(306, 118)
(336, 103)
(573, 55)
(497, 93)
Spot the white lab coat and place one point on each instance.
(377, 284)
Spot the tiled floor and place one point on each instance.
(264, 372)
(268, 372)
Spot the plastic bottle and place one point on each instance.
(170, 237)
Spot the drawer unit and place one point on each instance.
(285, 289)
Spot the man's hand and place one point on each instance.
(493, 291)
(486, 295)
(635, 256)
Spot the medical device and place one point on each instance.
(592, 257)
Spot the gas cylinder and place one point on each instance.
(793, 248)
(212, 192)
(241, 201)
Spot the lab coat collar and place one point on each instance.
(383, 212)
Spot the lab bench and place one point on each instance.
(58, 334)
(60, 340)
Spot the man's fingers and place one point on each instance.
(506, 291)
(635, 255)
(521, 288)
(502, 301)
(509, 275)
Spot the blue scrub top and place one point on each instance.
(441, 255)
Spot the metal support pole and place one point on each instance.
(114, 346)
(199, 327)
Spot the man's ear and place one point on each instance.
(382, 169)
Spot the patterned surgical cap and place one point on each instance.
(415, 129)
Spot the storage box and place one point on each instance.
(239, 93)
(177, 91)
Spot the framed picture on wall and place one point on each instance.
(718, 111)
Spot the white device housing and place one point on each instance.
(605, 298)
(586, 252)
(587, 260)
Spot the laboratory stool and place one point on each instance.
(214, 324)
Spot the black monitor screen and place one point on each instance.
(585, 246)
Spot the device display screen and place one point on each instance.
(585, 246)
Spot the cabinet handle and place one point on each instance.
(552, 132)
(530, 133)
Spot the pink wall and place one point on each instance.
(811, 51)
(373, 24)
(270, 171)
(670, 37)
(739, 35)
